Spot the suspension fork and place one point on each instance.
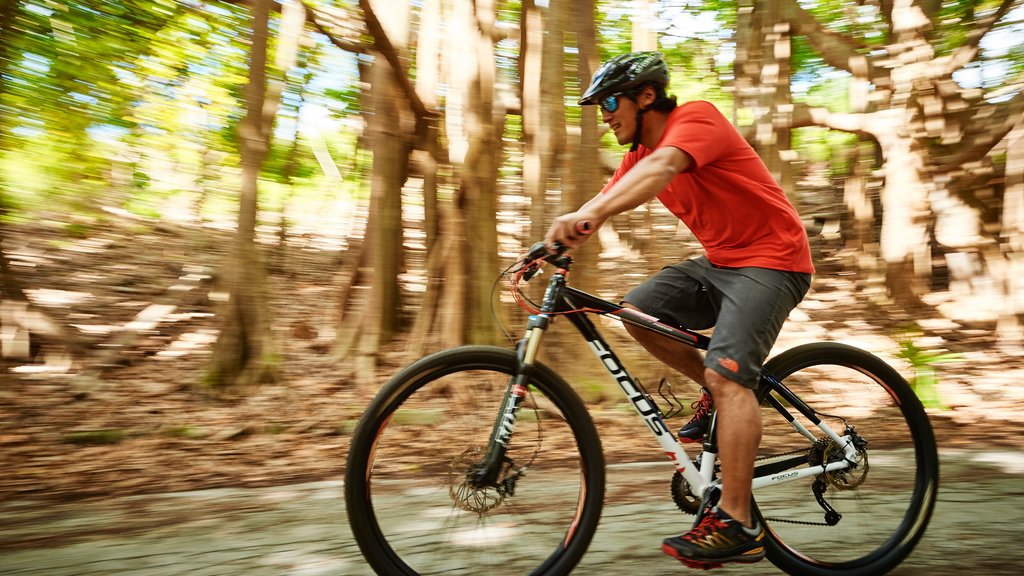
(490, 468)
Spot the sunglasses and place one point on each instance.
(610, 103)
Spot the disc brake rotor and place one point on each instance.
(466, 496)
(848, 478)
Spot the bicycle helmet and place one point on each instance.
(624, 73)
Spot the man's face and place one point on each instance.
(618, 111)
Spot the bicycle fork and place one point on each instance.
(488, 472)
(490, 469)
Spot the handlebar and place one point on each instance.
(542, 252)
(539, 252)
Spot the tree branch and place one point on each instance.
(994, 122)
(838, 50)
(330, 28)
(383, 44)
(804, 115)
(969, 50)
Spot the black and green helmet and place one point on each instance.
(625, 73)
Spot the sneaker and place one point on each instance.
(716, 539)
(694, 430)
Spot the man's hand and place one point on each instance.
(572, 229)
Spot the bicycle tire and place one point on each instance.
(432, 525)
(886, 502)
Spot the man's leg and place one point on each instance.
(727, 533)
(678, 356)
(739, 418)
(739, 434)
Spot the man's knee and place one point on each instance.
(720, 386)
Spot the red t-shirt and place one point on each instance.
(729, 199)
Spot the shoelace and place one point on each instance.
(702, 405)
(710, 523)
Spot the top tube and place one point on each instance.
(564, 299)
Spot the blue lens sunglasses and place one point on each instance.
(610, 103)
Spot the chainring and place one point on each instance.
(683, 496)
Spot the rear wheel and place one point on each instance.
(411, 503)
(883, 504)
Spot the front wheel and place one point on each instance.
(411, 503)
(882, 504)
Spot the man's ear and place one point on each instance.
(647, 96)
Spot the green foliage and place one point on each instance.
(133, 103)
(95, 437)
(925, 364)
(824, 146)
(186, 431)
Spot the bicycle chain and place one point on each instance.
(822, 444)
(791, 520)
(821, 447)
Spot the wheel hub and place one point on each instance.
(469, 494)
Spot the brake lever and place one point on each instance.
(538, 252)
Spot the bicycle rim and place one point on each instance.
(411, 508)
(885, 503)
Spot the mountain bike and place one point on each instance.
(483, 460)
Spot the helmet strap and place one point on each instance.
(639, 128)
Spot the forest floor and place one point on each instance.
(133, 417)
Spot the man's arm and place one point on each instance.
(642, 182)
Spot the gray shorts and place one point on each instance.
(747, 307)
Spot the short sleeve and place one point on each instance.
(700, 130)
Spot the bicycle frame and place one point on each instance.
(563, 300)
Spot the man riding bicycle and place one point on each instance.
(756, 269)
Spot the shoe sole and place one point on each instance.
(750, 557)
(691, 440)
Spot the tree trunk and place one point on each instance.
(1011, 270)
(245, 352)
(475, 123)
(391, 130)
(583, 169)
(531, 64)
(645, 37)
(480, 181)
(762, 69)
(905, 239)
(428, 55)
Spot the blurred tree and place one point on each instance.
(762, 83)
(1008, 257)
(534, 31)
(934, 136)
(391, 132)
(542, 88)
(429, 155)
(296, 50)
(431, 162)
(474, 122)
(245, 352)
(583, 164)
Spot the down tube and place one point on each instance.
(644, 406)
